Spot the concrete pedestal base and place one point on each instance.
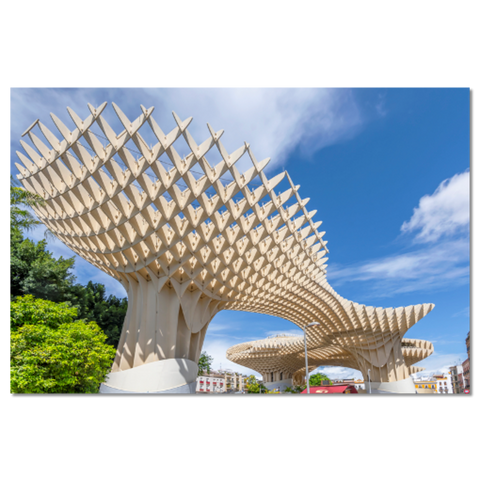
(402, 386)
(165, 376)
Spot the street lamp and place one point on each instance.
(313, 324)
(370, 382)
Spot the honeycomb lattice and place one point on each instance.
(216, 237)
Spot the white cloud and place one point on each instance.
(338, 373)
(439, 363)
(424, 269)
(444, 213)
(273, 121)
(217, 349)
(442, 220)
(293, 332)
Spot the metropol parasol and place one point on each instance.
(188, 238)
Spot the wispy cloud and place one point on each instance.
(420, 270)
(442, 221)
(465, 312)
(273, 121)
(380, 106)
(444, 213)
(438, 363)
(217, 349)
(293, 332)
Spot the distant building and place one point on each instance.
(466, 364)
(466, 374)
(458, 384)
(467, 341)
(220, 382)
(358, 384)
(444, 383)
(426, 385)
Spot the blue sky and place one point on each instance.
(387, 170)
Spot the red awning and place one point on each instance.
(333, 389)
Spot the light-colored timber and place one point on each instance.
(187, 239)
(282, 357)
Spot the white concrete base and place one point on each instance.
(402, 386)
(171, 375)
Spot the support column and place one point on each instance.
(162, 337)
(388, 370)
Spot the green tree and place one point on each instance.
(18, 219)
(20, 200)
(254, 386)
(316, 380)
(204, 363)
(34, 270)
(29, 310)
(93, 304)
(31, 269)
(297, 389)
(52, 353)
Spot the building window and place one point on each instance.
(271, 377)
(281, 375)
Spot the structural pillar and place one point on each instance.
(162, 337)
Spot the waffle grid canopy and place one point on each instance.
(188, 238)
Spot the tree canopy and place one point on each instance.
(204, 363)
(51, 352)
(34, 271)
(316, 380)
(254, 386)
(29, 310)
(20, 199)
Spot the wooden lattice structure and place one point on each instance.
(188, 238)
(283, 357)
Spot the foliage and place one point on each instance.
(94, 305)
(21, 218)
(52, 353)
(18, 219)
(316, 380)
(297, 389)
(253, 386)
(204, 363)
(70, 359)
(34, 271)
(28, 310)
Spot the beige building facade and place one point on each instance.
(220, 382)
(188, 237)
